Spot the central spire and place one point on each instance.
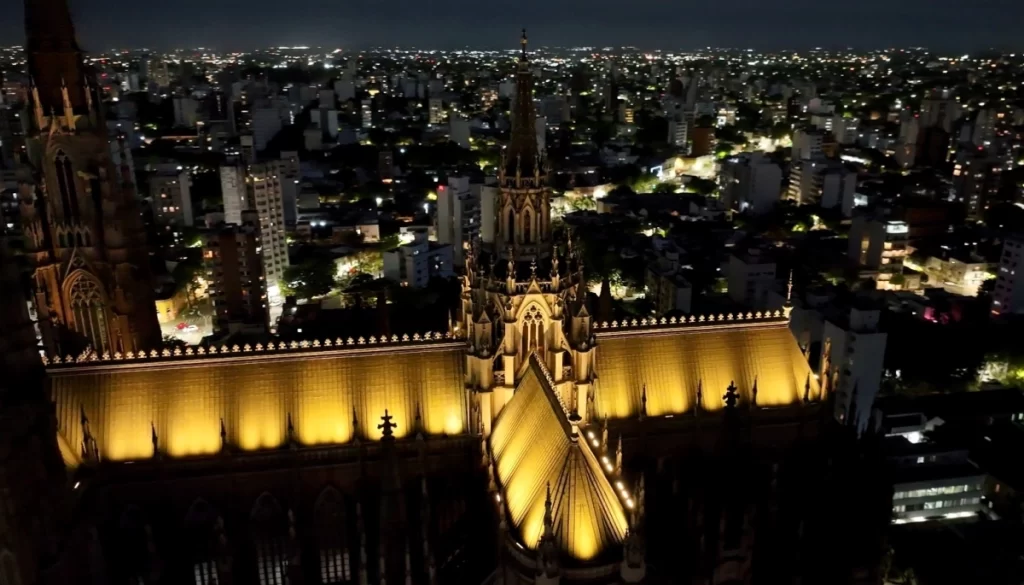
(54, 57)
(522, 158)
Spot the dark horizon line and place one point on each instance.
(597, 48)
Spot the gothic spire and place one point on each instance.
(522, 156)
(54, 57)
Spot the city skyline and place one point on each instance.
(453, 24)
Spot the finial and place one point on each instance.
(753, 394)
(387, 426)
(523, 43)
(291, 431)
(548, 521)
(533, 268)
(643, 402)
(700, 396)
(154, 438)
(618, 455)
(731, 397)
(789, 290)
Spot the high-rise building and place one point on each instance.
(436, 113)
(235, 192)
(750, 181)
(541, 130)
(458, 130)
(751, 280)
(386, 165)
(939, 108)
(880, 244)
(416, 263)
(82, 225)
(170, 195)
(807, 145)
(978, 181)
(852, 358)
(458, 216)
(827, 184)
(234, 268)
(267, 198)
(366, 113)
(1008, 296)
(677, 132)
(186, 111)
(266, 123)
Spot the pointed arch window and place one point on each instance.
(533, 332)
(511, 234)
(268, 539)
(89, 312)
(202, 525)
(66, 184)
(332, 540)
(527, 225)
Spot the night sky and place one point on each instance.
(946, 25)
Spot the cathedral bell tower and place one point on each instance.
(92, 286)
(524, 207)
(521, 297)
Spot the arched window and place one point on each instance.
(66, 184)
(269, 527)
(61, 240)
(201, 537)
(511, 234)
(527, 227)
(533, 332)
(89, 312)
(78, 239)
(331, 534)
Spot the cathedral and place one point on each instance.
(82, 224)
(527, 444)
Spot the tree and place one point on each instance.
(310, 279)
(701, 186)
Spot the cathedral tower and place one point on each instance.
(83, 232)
(522, 297)
(524, 207)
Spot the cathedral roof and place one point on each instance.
(534, 449)
(321, 390)
(672, 362)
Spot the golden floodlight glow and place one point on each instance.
(254, 395)
(672, 364)
(532, 448)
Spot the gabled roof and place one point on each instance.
(253, 395)
(672, 363)
(533, 448)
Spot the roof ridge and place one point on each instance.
(779, 315)
(281, 348)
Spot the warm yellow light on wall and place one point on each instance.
(254, 397)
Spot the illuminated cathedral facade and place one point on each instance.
(82, 225)
(528, 444)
